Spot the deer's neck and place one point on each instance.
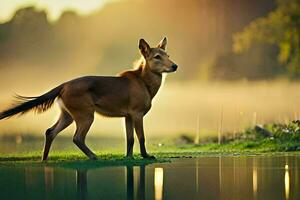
(152, 80)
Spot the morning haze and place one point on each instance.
(212, 82)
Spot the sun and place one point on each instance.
(53, 8)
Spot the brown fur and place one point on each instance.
(127, 95)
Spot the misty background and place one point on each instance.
(219, 84)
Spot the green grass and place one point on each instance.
(269, 139)
(163, 154)
(72, 160)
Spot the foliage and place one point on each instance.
(280, 132)
(281, 28)
(289, 131)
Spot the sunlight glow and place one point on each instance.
(158, 183)
(54, 8)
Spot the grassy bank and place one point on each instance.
(73, 160)
(270, 139)
(258, 139)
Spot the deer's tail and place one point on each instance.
(38, 104)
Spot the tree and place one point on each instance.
(281, 28)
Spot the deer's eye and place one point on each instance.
(157, 57)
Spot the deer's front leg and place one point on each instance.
(129, 136)
(139, 129)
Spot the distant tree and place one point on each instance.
(255, 64)
(281, 28)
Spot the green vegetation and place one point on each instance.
(72, 160)
(259, 139)
(270, 138)
(268, 47)
(280, 28)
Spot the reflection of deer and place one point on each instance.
(128, 95)
(130, 183)
(81, 181)
(135, 190)
(49, 178)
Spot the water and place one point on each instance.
(239, 177)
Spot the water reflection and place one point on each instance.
(254, 183)
(135, 191)
(287, 181)
(135, 183)
(158, 183)
(81, 183)
(130, 183)
(220, 174)
(49, 176)
(248, 177)
(254, 179)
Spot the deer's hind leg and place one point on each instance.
(129, 136)
(63, 122)
(83, 124)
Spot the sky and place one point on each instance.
(54, 8)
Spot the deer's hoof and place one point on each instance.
(93, 157)
(129, 157)
(150, 157)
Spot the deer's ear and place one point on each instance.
(144, 48)
(162, 44)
